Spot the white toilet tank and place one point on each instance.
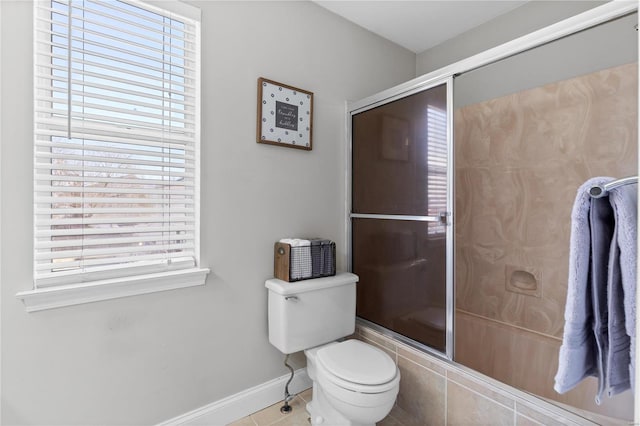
(309, 313)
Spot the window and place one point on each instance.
(116, 141)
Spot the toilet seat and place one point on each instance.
(357, 367)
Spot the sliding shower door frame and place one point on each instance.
(591, 18)
(445, 217)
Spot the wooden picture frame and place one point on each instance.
(285, 115)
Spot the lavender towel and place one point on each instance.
(617, 371)
(578, 357)
(601, 224)
(624, 201)
(599, 332)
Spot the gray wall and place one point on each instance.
(529, 17)
(605, 46)
(608, 45)
(145, 359)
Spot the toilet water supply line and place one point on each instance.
(286, 408)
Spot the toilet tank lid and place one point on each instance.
(285, 288)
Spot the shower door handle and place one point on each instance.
(444, 218)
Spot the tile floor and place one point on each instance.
(298, 415)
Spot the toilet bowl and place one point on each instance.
(353, 383)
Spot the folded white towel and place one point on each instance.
(306, 265)
(300, 266)
(296, 242)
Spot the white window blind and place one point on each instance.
(116, 141)
(437, 165)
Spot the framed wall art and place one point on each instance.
(285, 115)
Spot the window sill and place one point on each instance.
(60, 296)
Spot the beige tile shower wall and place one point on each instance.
(435, 392)
(528, 361)
(519, 160)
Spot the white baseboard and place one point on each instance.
(243, 403)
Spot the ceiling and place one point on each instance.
(419, 25)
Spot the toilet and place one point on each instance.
(354, 383)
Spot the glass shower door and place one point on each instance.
(400, 208)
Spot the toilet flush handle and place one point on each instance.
(294, 298)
